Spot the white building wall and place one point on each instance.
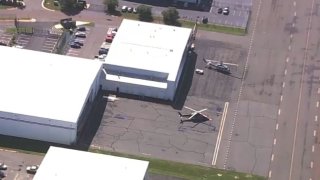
(136, 89)
(37, 128)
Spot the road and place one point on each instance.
(274, 126)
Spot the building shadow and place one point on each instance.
(185, 81)
(92, 123)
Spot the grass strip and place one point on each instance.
(190, 24)
(182, 170)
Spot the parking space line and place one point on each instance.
(234, 13)
(49, 44)
(49, 38)
(72, 54)
(48, 48)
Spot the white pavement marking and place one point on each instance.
(311, 164)
(294, 3)
(283, 84)
(301, 88)
(317, 104)
(289, 48)
(285, 72)
(312, 148)
(270, 173)
(314, 132)
(287, 60)
(295, 14)
(291, 36)
(216, 150)
(48, 46)
(272, 157)
(146, 154)
(318, 90)
(52, 39)
(316, 118)
(279, 111)
(281, 98)
(274, 141)
(277, 126)
(242, 83)
(72, 54)
(211, 9)
(293, 24)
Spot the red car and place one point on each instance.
(109, 38)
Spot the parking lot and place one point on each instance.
(73, 51)
(17, 163)
(238, 16)
(4, 36)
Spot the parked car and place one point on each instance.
(220, 11)
(225, 11)
(135, 11)
(74, 45)
(124, 9)
(80, 34)
(109, 38)
(32, 169)
(2, 43)
(81, 28)
(2, 174)
(199, 71)
(3, 166)
(103, 51)
(77, 41)
(130, 10)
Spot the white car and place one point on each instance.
(3, 166)
(80, 34)
(225, 11)
(32, 169)
(124, 9)
(199, 71)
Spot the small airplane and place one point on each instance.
(219, 65)
(190, 116)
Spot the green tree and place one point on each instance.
(67, 4)
(111, 5)
(170, 16)
(145, 13)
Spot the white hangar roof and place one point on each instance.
(149, 46)
(44, 85)
(66, 164)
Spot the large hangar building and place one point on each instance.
(146, 59)
(45, 96)
(63, 164)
